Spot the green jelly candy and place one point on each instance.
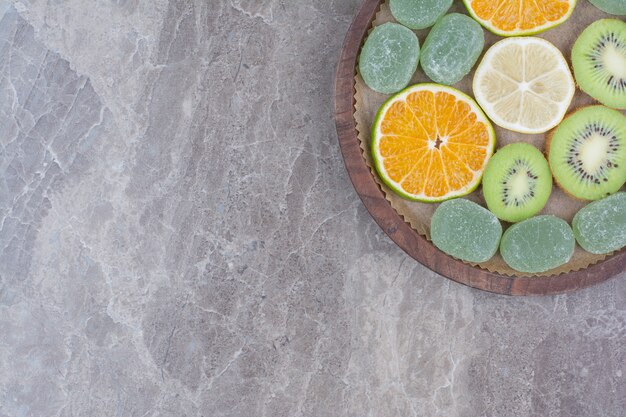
(419, 14)
(600, 227)
(389, 58)
(538, 244)
(452, 48)
(617, 7)
(465, 230)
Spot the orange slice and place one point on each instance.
(520, 17)
(431, 143)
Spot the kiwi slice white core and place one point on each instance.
(614, 60)
(594, 153)
(519, 184)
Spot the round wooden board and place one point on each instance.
(393, 224)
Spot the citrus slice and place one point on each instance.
(524, 85)
(520, 17)
(431, 143)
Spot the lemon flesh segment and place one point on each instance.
(524, 85)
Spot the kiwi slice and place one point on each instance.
(517, 182)
(587, 152)
(599, 61)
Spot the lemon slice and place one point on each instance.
(524, 85)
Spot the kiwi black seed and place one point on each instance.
(599, 61)
(517, 182)
(587, 152)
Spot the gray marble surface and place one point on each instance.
(178, 237)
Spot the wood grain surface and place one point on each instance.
(398, 230)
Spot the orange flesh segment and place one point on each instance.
(401, 122)
(444, 110)
(463, 112)
(423, 106)
(432, 144)
(437, 184)
(507, 15)
(399, 167)
(531, 16)
(458, 173)
(511, 15)
(415, 180)
(399, 145)
(476, 134)
(553, 10)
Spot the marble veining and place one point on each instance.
(179, 237)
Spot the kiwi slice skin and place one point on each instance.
(517, 182)
(599, 62)
(587, 153)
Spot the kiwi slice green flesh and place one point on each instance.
(587, 152)
(517, 182)
(599, 61)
